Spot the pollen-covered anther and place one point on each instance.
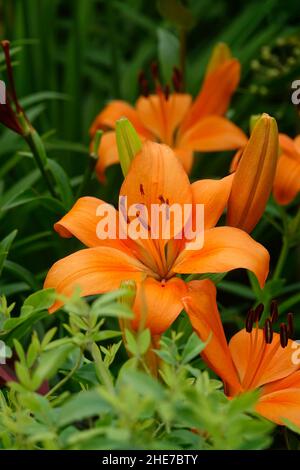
(258, 312)
(290, 322)
(284, 338)
(268, 331)
(249, 321)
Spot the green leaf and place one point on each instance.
(51, 361)
(144, 341)
(132, 344)
(5, 245)
(193, 348)
(143, 384)
(81, 406)
(17, 189)
(174, 11)
(292, 426)
(63, 183)
(168, 53)
(39, 301)
(244, 402)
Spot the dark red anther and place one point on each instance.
(141, 76)
(143, 83)
(274, 311)
(258, 312)
(167, 92)
(155, 70)
(161, 198)
(283, 335)
(142, 190)
(177, 79)
(290, 323)
(249, 321)
(268, 331)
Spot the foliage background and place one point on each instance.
(70, 58)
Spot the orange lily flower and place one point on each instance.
(254, 175)
(255, 358)
(174, 119)
(287, 179)
(286, 184)
(153, 263)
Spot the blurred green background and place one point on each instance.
(72, 57)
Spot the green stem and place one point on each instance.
(282, 258)
(86, 177)
(182, 58)
(93, 157)
(66, 378)
(38, 150)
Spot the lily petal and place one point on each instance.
(162, 116)
(94, 271)
(259, 363)
(186, 157)
(284, 404)
(289, 146)
(201, 307)
(214, 195)
(216, 93)
(224, 249)
(291, 381)
(287, 180)
(158, 304)
(114, 111)
(81, 221)
(213, 133)
(148, 183)
(107, 154)
(297, 144)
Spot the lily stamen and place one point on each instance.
(290, 322)
(268, 331)
(274, 311)
(283, 335)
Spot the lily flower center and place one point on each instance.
(263, 347)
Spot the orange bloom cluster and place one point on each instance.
(255, 358)
(171, 127)
(175, 119)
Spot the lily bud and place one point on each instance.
(128, 143)
(12, 114)
(253, 179)
(220, 54)
(128, 299)
(130, 292)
